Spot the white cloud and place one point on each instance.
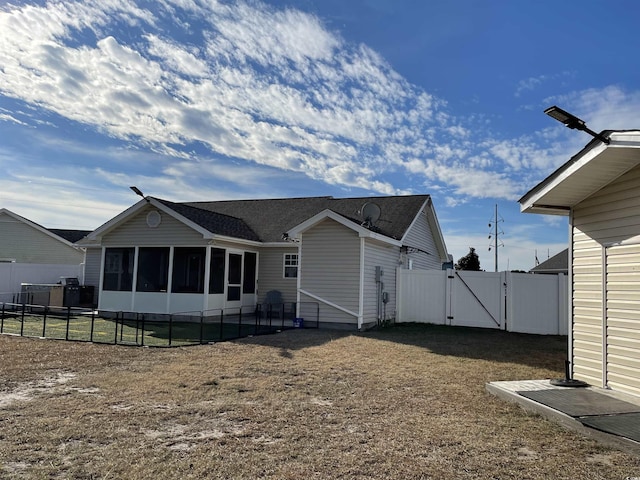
(266, 87)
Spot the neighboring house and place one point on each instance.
(30, 253)
(23, 241)
(599, 189)
(164, 257)
(559, 263)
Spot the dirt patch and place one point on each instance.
(405, 402)
(29, 390)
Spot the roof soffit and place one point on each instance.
(584, 174)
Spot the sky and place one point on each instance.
(202, 100)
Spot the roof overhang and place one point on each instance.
(40, 228)
(95, 237)
(594, 167)
(359, 229)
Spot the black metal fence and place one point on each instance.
(154, 330)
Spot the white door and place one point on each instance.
(234, 280)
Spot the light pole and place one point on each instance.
(571, 121)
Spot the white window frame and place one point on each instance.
(290, 260)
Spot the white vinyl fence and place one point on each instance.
(516, 302)
(12, 275)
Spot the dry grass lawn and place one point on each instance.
(406, 402)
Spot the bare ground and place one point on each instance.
(407, 402)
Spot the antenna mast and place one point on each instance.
(496, 233)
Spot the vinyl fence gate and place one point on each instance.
(516, 302)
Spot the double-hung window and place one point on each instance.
(290, 265)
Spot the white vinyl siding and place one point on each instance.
(385, 256)
(420, 236)
(330, 270)
(270, 268)
(610, 216)
(92, 267)
(135, 231)
(26, 244)
(623, 318)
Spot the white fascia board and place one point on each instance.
(222, 238)
(618, 139)
(292, 244)
(362, 232)
(97, 234)
(40, 228)
(550, 185)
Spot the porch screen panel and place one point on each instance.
(216, 276)
(234, 277)
(153, 269)
(249, 280)
(188, 270)
(118, 269)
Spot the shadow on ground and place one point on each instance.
(464, 342)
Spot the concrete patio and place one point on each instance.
(607, 401)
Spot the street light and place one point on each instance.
(573, 122)
(137, 191)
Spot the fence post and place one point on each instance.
(221, 324)
(66, 337)
(142, 332)
(240, 323)
(201, 327)
(115, 338)
(44, 322)
(137, 325)
(170, 327)
(93, 317)
(22, 320)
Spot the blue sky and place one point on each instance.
(206, 100)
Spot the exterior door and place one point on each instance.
(234, 280)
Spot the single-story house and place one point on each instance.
(599, 190)
(559, 263)
(24, 241)
(163, 257)
(32, 254)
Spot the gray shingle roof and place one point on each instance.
(267, 219)
(214, 222)
(559, 263)
(70, 235)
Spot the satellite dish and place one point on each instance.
(370, 213)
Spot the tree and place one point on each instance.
(469, 262)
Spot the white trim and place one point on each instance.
(570, 295)
(134, 279)
(361, 293)
(97, 234)
(284, 264)
(628, 140)
(299, 278)
(603, 290)
(327, 302)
